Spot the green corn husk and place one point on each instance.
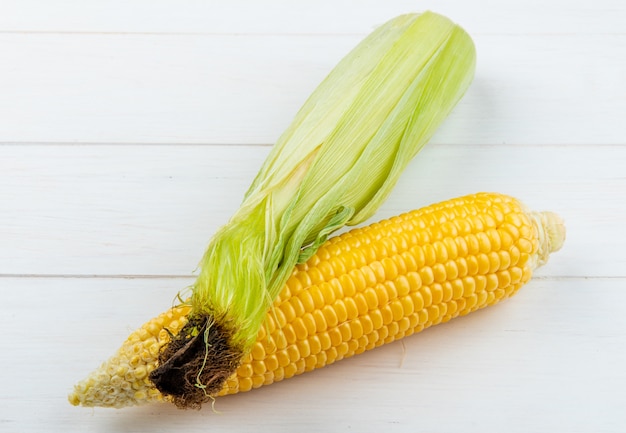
(335, 164)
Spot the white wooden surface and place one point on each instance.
(129, 131)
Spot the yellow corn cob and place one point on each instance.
(362, 289)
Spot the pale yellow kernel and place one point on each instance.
(297, 306)
(504, 278)
(326, 270)
(409, 261)
(471, 301)
(320, 320)
(370, 298)
(418, 300)
(283, 358)
(325, 341)
(492, 282)
(452, 308)
(290, 370)
(356, 329)
(461, 304)
(328, 292)
(483, 263)
(481, 299)
(342, 349)
(462, 246)
(494, 261)
(316, 275)
(331, 355)
(404, 324)
(154, 350)
(361, 303)
(330, 316)
(316, 345)
(387, 315)
(322, 359)
(258, 367)
(415, 281)
(304, 348)
(385, 291)
(279, 316)
(393, 330)
(280, 340)
(511, 229)
(472, 265)
(426, 296)
(300, 329)
(514, 255)
(310, 362)
(293, 353)
(469, 286)
(377, 318)
(245, 384)
(269, 344)
(306, 300)
(481, 283)
(347, 285)
(341, 265)
(245, 370)
(407, 305)
(441, 252)
(378, 270)
(402, 285)
(140, 395)
(269, 378)
(351, 308)
(484, 244)
(345, 331)
(309, 322)
(316, 295)
(499, 294)
(134, 361)
(525, 246)
(335, 336)
(358, 279)
(430, 254)
(294, 285)
(367, 324)
(279, 374)
(457, 288)
(426, 275)
(473, 245)
(527, 273)
(397, 310)
(439, 272)
(516, 275)
(289, 334)
(258, 351)
(383, 333)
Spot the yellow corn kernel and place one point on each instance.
(399, 277)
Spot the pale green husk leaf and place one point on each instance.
(336, 163)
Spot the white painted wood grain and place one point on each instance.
(319, 17)
(183, 99)
(233, 89)
(550, 359)
(151, 210)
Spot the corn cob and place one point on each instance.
(365, 288)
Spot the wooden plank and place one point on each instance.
(549, 359)
(245, 89)
(150, 210)
(320, 17)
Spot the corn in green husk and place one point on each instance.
(336, 163)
